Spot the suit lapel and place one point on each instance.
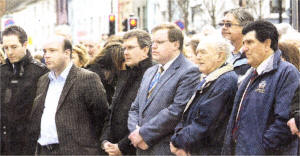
(68, 84)
(42, 96)
(147, 82)
(164, 78)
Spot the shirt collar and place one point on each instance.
(63, 75)
(263, 66)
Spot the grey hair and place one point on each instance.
(242, 15)
(219, 43)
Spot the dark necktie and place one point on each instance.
(241, 105)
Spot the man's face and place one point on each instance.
(92, 48)
(162, 49)
(55, 56)
(233, 31)
(14, 50)
(254, 49)
(133, 52)
(207, 58)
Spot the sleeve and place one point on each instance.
(125, 146)
(219, 103)
(95, 98)
(133, 113)
(164, 122)
(295, 108)
(278, 133)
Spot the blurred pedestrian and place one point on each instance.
(232, 25)
(257, 125)
(163, 93)
(70, 106)
(137, 45)
(290, 53)
(203, 124)
(19, 77)
(2, 56)
(92, 46)
(80, 57)
(294, 122)
(190, 50)
(107, 64)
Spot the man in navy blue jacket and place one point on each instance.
(202, 128)
(257, 124)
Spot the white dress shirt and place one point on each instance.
(48, 133)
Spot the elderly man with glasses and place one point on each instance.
(232, 25)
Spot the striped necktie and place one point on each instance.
(154, 81)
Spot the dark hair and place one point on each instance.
(16, 30)
(111, 57)
(67, 45)
(263, 30)
(290, 53)
(241, 15)
(143, 38)
(174, 33)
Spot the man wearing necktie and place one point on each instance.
(162, 97)
(257, 125)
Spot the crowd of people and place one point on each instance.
(229, 92)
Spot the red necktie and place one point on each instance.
(254, 74)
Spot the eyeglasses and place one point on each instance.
(227, 25)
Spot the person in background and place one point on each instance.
(294, 122)
(108, 64)
(79, 56)
(190, 50)
(92, 46)
(232, 25)
(2, 56)
(202, 128)
(19, 76)
(137, 53)
(70, 107)
(163, 93)
(257, 125)
(290, 53)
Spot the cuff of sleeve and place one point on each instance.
(146, 137)
(126, 147)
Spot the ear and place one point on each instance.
(25, 44)
(267, 43)
(176, 44)
(68, 52)
(220, 56)
(146, 50)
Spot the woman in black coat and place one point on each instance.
(107, 64)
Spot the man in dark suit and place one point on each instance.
(164, 91)
(69, 109)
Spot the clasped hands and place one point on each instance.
(137, 140)
(177, 151)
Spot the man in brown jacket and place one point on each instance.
(69, 109)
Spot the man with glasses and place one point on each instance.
(164, 91)
(232, 25)
(137, 54)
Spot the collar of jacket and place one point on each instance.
(20, 65)
(274, 63)
(216, 74)
(141, 65)
(24, 61)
